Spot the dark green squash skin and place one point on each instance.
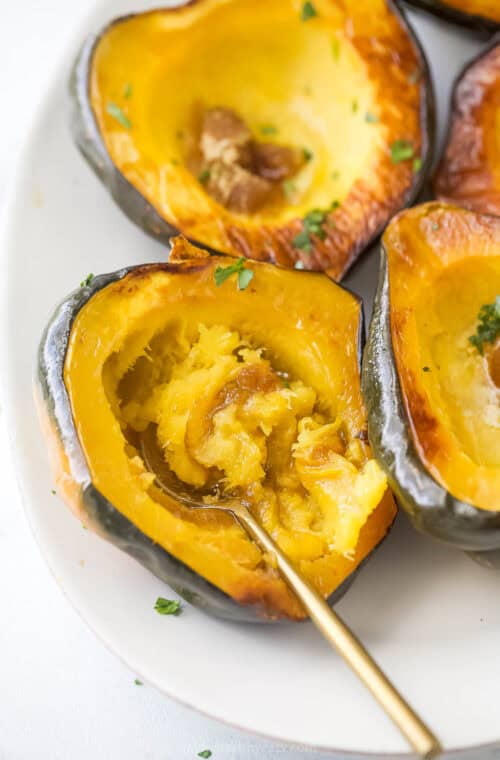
(114, 526)
(89, 141)
(431, 508)
(480, 24)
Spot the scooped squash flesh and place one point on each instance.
(444, 265)
(343, 86)
(256, 390)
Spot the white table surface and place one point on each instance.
(63, 696)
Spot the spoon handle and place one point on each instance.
(346, 643)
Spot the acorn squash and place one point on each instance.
(481, 15)
(248, 376)
(340, 88)
(432, 395)
(469, 170)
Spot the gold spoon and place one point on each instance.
(331, 626)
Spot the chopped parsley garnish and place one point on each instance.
(302, 241)
(205, 753)
(313, 224)
(488, 328)
(53, 492)
(86, 282)
(137, 682)
(417, 164)
(414, 76)
(127, 91)
(371, 118)
(434, 226)
(117, 113)
(426, 369)
(355, 106)
(289, 188)
(204, 176)
(168, 606)
(244, 276)
(308, 154)
(401, 150)
(308, 11)
(335, 50)
(268, 129)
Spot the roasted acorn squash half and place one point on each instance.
(469, 170)
(256, 388)
(343, 86)
(481, 15)
(432, 395)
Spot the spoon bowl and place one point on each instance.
(326, 620)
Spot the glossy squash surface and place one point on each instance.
(482, 15)
(348, 85)
(469, 170)
(232, 380)
(432, 400)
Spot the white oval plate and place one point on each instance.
(428, 614)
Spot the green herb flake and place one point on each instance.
(313, 223)
(53, 492)
(371, 118)
(401, 150)
(289, 189)
(417, 164)
(308, 154)
(355, 106)
(268, 130)
(86, 282)
(426, 369)
(308, 11)
(303, 241)
(117, 113)
(244, 276)
(127, 91)
(336, 50)
(137, 682)
(205, 753)
(244, 279)
(414, 76)
(488, 328)
(168, 606)
(434, 226)
(204, 176)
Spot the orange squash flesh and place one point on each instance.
(311, 338)
(469, 171)
(444, 264)
(345, 85)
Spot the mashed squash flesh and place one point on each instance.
(223, 414)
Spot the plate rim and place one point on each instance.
(7, 394)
